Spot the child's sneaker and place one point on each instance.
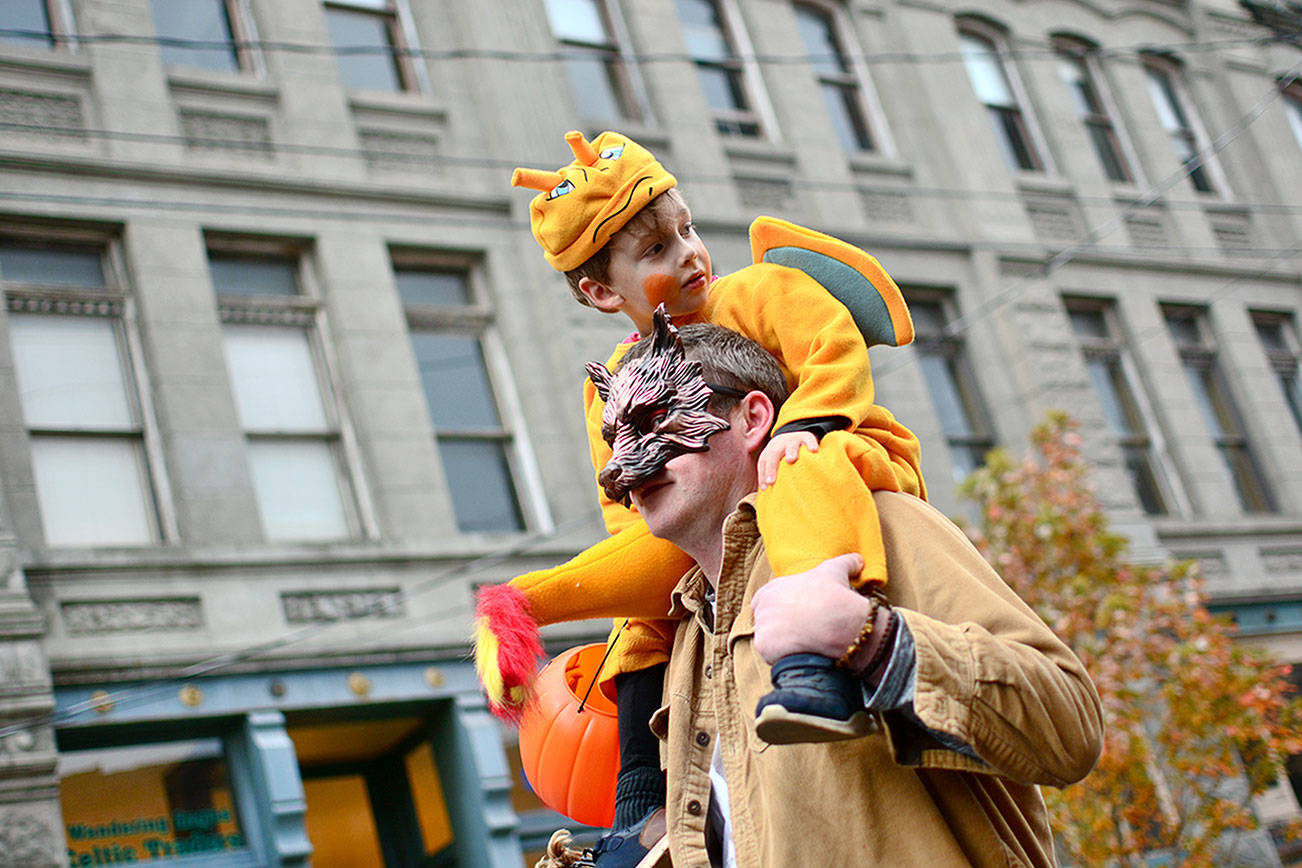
(628, 847)
(813, 700)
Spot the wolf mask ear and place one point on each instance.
(664, 337)
(600, 378)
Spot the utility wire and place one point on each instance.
(1023, 48)
(138, 694)
(1016, 289)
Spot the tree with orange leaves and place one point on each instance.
(1197, 724)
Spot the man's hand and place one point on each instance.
(782, 446)
(811, 612)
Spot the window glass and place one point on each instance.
(579, 20)
(253, 275)
(1293, 109)
(148, 802)
(427, 798)
(457, 387)
(70, 372)
(274, 376)
(376, 69)
(593, 78)
(51, 266)
(820, 40)
(1089, 323)
(431, 287)
(298, 489)
(479, 477)
(703, 31)
(30, 15)
(846, 118)
(984, 69)
(92, 491)
(943, 386)
(203, 21)
(1271, 333)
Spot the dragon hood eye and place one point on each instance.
(612, 153)
(561, 189)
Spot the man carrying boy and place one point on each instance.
(977, 702)
(614, 223)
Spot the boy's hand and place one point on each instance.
(779, 447)
(811, 612)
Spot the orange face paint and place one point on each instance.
(660, 289)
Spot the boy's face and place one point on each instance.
(656, 260)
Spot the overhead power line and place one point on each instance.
(1022, 48)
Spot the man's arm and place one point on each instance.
(988, 673)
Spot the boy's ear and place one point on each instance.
(603, 298)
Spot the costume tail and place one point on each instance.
(628, 575)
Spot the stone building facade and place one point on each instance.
(283, 375)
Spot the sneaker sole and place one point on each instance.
(777, 725)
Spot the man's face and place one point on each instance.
(660, 260)
(688, 500)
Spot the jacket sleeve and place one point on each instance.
(812, 335)
(990, 673)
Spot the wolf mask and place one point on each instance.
(655, 410)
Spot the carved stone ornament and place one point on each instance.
(132, 616)
(310, 606)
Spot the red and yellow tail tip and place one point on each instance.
(507, 649)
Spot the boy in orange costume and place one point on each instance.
(812, 301)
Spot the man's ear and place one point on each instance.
(754, 418)
(603, 298)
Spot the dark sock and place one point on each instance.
(640, 787)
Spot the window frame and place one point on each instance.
(412, 77)
(952, 350)
(242, 32)
(1284, 361)
(740, 63)
(1169, 75)
(1200, 358)
(305, 311)
(115, 302)
(476, 319)
(1293, 110)
(998, 39)
(1148, 440)
(618, 55)
(1104, 116)
(855, 79)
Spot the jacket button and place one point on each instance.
(694, 808)
(709, 671)
(702, 738)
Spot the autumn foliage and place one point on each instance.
(1197, 723)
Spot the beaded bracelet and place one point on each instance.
(875, 601)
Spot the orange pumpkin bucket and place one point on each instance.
(571, 757)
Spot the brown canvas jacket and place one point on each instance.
(989, 672)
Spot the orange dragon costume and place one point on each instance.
(816, 304)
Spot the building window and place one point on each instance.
(377, 55)
(1178, 121)
(283, 400)
(200, 33)
(601, 77)
(78, 390)
(1078, 68)
(837, 81)
(950, 382)
(711, 46)
(1111, 373)
(992, 80)
(32, 22)
(148, 802)
(448, 333)
(1188, 328)
(1279, 338)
